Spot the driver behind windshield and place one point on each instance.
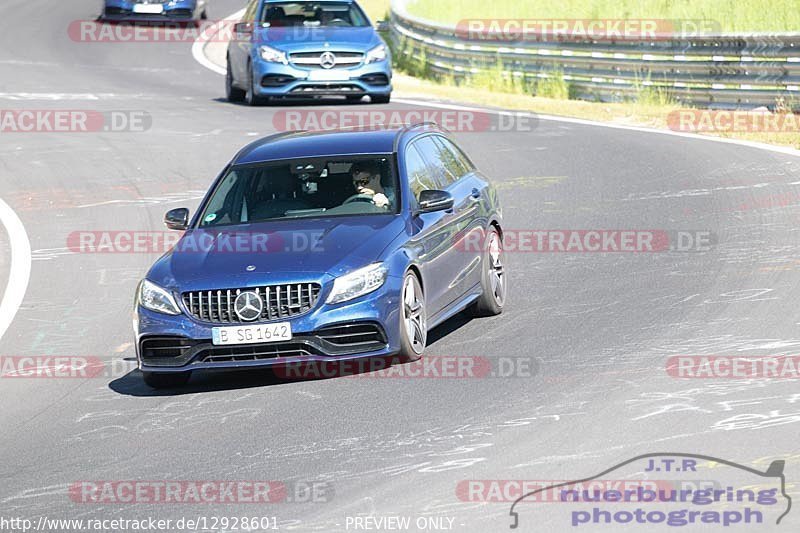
(367, 182)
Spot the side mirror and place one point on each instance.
(243, 30)
(177, 218)
(382, 26)
(433, 200)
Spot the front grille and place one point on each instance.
(112, 11)
(179, 13)
(254, 352)
(326, 89)
(280, 301)
(312, 59)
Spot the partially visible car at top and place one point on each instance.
(307, 48)
(368, 240)
(155, 10)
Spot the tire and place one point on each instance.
(354, 97)
(494, 280)
(169, 380)
(250, 97)
(234, 94)
(204, 15)
(413, 319)
(380, 98)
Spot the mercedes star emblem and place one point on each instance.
(327, 60)
(248, 306)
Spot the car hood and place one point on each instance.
(315, 39)
(274, 252)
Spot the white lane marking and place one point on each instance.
(198, 51)
(57, 97)
(20, 271)
(199, 46)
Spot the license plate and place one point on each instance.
(280, 331)
(328, 75)
(148, 9)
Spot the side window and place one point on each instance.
(432, 154)
(417, 172)
(454, 159)
(449, 158)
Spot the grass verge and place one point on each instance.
(729, 15)
(493, 88)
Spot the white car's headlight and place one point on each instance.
(376, 54)
(357, 283)
(155, 298)
(273, 55)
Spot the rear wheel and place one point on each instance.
(170, 380)
(380, 98)
(234, 94)
(493, 277)
(413, 319)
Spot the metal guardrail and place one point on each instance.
(722, 71)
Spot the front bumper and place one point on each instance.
(362, 328)
(276, 79)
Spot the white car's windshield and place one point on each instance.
(313, 14)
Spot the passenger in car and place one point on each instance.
(367, 181)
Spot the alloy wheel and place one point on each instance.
(414, 314)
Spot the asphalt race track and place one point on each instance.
(597, 327)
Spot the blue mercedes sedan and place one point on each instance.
(319, 247)
(306, 48)
(155, 10)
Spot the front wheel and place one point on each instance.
(493, 277)
(250, 97)
(413, 319)
(169, 380)
(234, 94)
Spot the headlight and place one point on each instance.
(272, 55)
(357, 283)
(376, 54)
(151, 296)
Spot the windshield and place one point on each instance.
(304, 188)
(313, 14)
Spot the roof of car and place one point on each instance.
(294, 144)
